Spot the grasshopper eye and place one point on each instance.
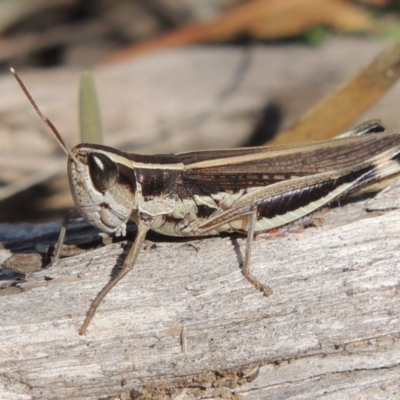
(103, 171)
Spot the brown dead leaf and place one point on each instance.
(378, 3)
(262, 19)
(335, 112)
(303, 15)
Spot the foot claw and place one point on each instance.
(267, 291)
(82, 331)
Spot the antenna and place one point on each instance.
(48, 123)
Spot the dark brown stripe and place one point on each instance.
(292, 200)
(126, 177)
(157, 182)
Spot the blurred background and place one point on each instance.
(82, 34)
(171, 76)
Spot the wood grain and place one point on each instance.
(331, 326)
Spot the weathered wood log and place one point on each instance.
(331, 326)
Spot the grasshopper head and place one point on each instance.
(102, 186)
(102, 181)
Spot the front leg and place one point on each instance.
(71, 214)
(144, 225)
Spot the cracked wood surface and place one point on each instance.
(331, 325)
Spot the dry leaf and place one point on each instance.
(302, 15)
(262, 19)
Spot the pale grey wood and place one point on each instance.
(330, 329)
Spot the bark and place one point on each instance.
(185, 311)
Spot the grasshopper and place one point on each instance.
(200, 193)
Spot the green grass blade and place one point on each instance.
(89, 112)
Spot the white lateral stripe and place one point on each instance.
(218, 162)
(177, 166)
(132, 164)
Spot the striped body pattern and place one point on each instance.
(205, 193)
